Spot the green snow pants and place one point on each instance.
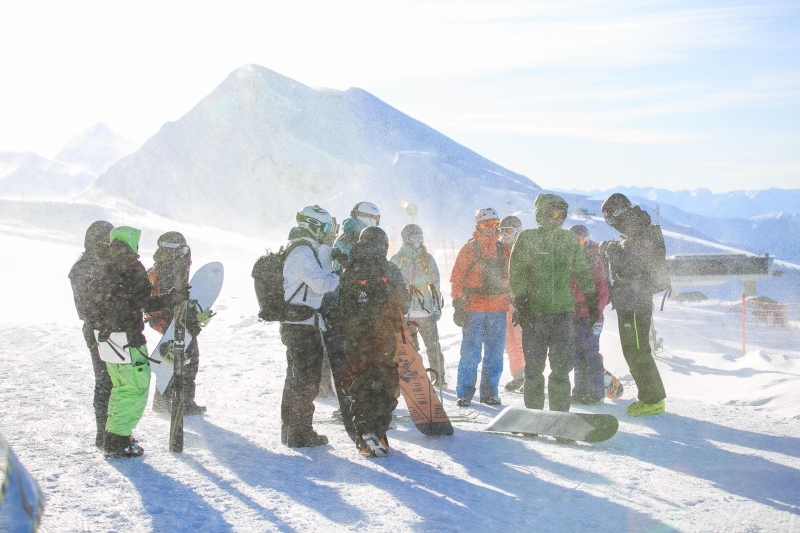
(130, 385)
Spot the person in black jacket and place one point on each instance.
(630, 262)
(372, 303)
(80, 275)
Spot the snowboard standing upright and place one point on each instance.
(424, 406)
(181, 312)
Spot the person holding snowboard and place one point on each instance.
(510, 227)
(363, 215)
(479, 283)
(171, 258)
(119, 293)
(589, 372)
(634, 280)
(543, 262)
(373, 301)
(81, 274)
(307, 276)
(421, 276)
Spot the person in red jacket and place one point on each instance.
(589, 382)
(479, 284)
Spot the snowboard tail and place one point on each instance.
(576, 426)
(424, 406)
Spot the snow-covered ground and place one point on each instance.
(725, 456)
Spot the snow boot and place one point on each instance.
(302, 439)
(515, 384)
(369, 445)
(191, 409)
(463, 402)
(645, 409)
(492, 400)
(116, 446)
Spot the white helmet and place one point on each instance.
(487, 213)
(316, 220)
(367, 212)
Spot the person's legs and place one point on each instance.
(493, 346)
(471, 346)
(634, 329)
(534, 344)
(581, 388)
(562, 354)
(130, 385)
(342, 376)
(427, 331)
(516, 356)
(304, 360)
(102, 386)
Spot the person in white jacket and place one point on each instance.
(307, 276)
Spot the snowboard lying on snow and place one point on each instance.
(575, 426)
(424, 406)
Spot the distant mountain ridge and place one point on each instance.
(96, 149)
(261, 146)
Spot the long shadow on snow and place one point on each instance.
(685, 445)
(442, 500)
(503, 490)
(172, 506)
(287, 474)
(685, 366)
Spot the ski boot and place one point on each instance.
(116, 446)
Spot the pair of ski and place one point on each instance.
(429, 416)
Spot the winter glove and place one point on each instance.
(522, 312)
(611, 250)
(460, 315)
(176, 296)
(593, 303)
(340, 257)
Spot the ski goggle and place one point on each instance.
(376, 218)
(612, 217)
(491, 223)
(508, 231)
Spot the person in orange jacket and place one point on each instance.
(510, 226)
(479, 283)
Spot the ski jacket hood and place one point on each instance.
(542, 203)
(128, 235)
(632, 220)
(98, 234)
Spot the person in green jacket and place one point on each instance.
(542, 262)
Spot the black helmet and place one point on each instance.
(615, 202)
(580, 230)
(374, 234)
(98, 233)
(172, 237)
(411, 231)
(511, 222)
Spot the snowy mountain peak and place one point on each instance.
(96, 149)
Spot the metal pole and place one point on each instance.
(744, 325)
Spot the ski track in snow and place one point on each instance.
(725, 457)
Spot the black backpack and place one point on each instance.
(659, 267)
(364, 293)
(268, 279)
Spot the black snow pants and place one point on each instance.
(102, 384)
(303, 366)
(634, 335)
(376, 382)
(342, 378)
(553, 337)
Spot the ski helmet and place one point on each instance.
(511, 222)
(487, 213)
(367, 212)
(614, 206)
(97, 234)
(411, 233)
(374, 234)
(316, 220)
(172, 237)
(580, 230)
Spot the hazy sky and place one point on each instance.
(573, 94)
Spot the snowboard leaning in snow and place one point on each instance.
(575, 426)
(614, 388)
(423, 405)
(206, 285)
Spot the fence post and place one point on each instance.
(744, 325)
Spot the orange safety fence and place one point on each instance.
(769, 325)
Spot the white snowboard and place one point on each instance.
(112, 351)
(206, 285)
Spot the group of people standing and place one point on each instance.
(537, 293)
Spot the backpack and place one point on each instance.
(659, 267)
(268, 280)
(493, 271)
(364, 293)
